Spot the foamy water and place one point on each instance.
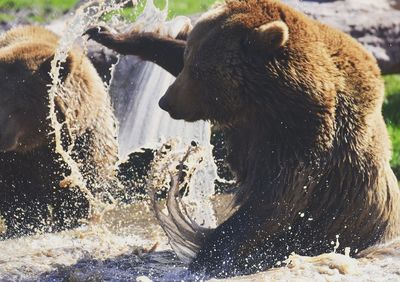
(114, 247)
(124, 231)
(115, 250)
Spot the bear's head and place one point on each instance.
(213, 80)
(249, 61)
(24, 105)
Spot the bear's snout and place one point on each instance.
(14, 136)
(163, 104)
(180, 101)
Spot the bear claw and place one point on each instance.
(97, 33)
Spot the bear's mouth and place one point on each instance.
(17, 139)
(188, 117)
(8, 142)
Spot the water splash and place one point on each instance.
(84, 17)
(144, 125)
(187, 220)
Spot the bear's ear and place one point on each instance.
(270, 36)
(45, 68)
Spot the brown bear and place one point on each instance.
(31, 172)
(300, 106)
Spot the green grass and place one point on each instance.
(36, 10)
(6, 17)
(391, 112)
(37, 4)
(188, 7)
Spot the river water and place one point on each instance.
(129, 245)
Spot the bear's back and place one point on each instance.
(28, 34)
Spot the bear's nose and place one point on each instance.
(163, 103)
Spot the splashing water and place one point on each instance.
(181, 223)
(144, 124)
(84, 17)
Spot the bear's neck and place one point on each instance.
(269, 158)
(275, 143)
(258, 154)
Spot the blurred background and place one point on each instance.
(363, 19)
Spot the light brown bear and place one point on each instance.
(300, 105)
(31, 198)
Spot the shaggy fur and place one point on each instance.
(31, 170)
(300, 104)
